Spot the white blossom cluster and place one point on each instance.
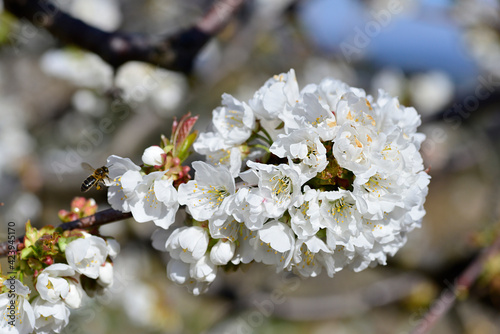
(322, 178)
(149, 197)
(59, 288)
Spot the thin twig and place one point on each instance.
(463, 283)
(176, 52)
(100, 218)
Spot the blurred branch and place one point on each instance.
(100, 218)
(176, 52)
(462, 284)
(263, 21)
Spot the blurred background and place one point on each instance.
(60, 106)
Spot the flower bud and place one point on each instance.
(222, 252)
(153, 156)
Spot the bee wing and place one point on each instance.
(88, 167)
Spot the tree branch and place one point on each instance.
(463, 283)
(176, 52)
(100, 218)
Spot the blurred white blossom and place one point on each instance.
(145, 83)
(105, 15)
(431, 91)
(81, 68)
(390, 80)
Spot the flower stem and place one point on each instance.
(266, 140)
(269, 139)
(265, 148)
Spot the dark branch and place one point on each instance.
(176, 52)
(463, 283)
(100, 218)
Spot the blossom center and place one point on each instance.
(308, 257)
(374, 186)
(234, 119)
(340, 210)
(216, 195)
(281, 187)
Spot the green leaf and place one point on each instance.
(26, 252)
(184, 150)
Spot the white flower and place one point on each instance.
(246, 250)
(358, 110)
(105, 275)
(247, 206)
(203, 270)
(86, 255)
(305, 218)
(17, 314)
(178, 272)
(113, 247)
(394, 115)
(75, 295)
(311, 255)
(217, 152)
(365, 251)
(234, 121)
(339, 214)
(117, 167)
(277, 93)
(278, 185)
(50, 317)
(304, 145)
(229, 229)
(58, 282)
(151, 197)
(188, 244)
(309, 114)
(274, 244)
(236, 234)
(209, 142)
(222, 252)
(381, 193)
(207, 194)
(343, 251)
(153, 156)
(331, 91)
(353, 149)
(159, 239)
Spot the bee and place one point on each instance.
(99, 176)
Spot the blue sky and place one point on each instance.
(422, 39)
